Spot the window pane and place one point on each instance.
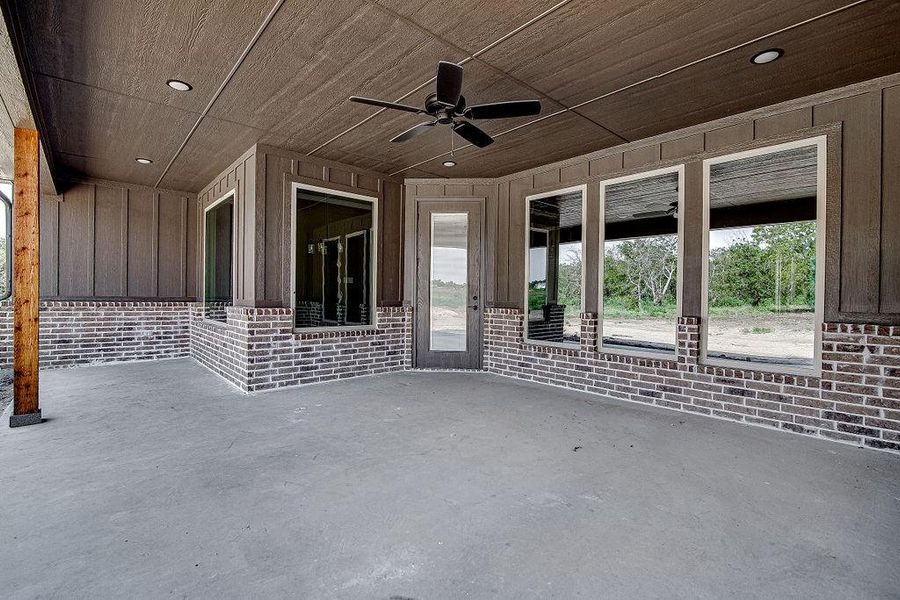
(333, 278)
(554, 268)
(537, 277)
(5, 240)
(762, 259)
(218, 259)
(640, 263)
(449, 281)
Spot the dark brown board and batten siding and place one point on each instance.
(862, 259)
(261, 181)
(493, 233)
(104, 240)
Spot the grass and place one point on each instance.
(619, 308)
(616, 308)
(747, 310)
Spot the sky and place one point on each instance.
(721, 238)
(449, 264)
(718, 238)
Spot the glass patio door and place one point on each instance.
(448, 280)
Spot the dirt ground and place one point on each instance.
(788, 336)
(778, 336)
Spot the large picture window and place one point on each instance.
(640, 261)
(218, 258)
(334, 261)
(763, 220)
(555, 281)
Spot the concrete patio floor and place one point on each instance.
(156, 480)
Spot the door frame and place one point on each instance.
(411, 267)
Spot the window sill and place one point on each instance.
(552, 345)
(762, 367)
(647, 353)
(214, 322)
(337, 329)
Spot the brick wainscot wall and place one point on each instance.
(855, 399)
(258, 349)
(83, 333)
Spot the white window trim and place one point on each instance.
(820, 142)
(640, 352)
(233, 195)
(373, 280)
(577, 188)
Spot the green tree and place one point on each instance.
(642, 271)
(569, 279)
(775, 265)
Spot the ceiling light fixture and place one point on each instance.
(179, 85)
(767, 56)
(143, 161)
(450, 162)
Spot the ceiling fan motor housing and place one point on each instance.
(447, 106)
(441, 112)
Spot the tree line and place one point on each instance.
(770, 267)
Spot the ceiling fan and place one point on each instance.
(672, 211)
(447, 106)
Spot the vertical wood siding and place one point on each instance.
(863, 280)
(261, 180)
(107, 240)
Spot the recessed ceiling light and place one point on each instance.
(179, 85)
(143, 161)
(449, 163)
(767, 56)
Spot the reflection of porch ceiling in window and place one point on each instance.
(557, 212)
(629, 198)
(784, 175)
(450, 231)
(778, 176)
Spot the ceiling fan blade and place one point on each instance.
(414, 131)
(449, 83)
(473, 134)
(386, 104)
(504, 110)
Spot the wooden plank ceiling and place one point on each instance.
(280, 72)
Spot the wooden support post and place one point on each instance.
(26, 278)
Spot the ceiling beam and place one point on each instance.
(464, 61)
(646, 80)
(222, 86)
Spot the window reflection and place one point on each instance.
(218, 259)
(334, 266)
(5, 240)
(555, 268)
(640, 263)
(761, 289)
(449, 281)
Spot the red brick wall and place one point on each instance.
(856, 399)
